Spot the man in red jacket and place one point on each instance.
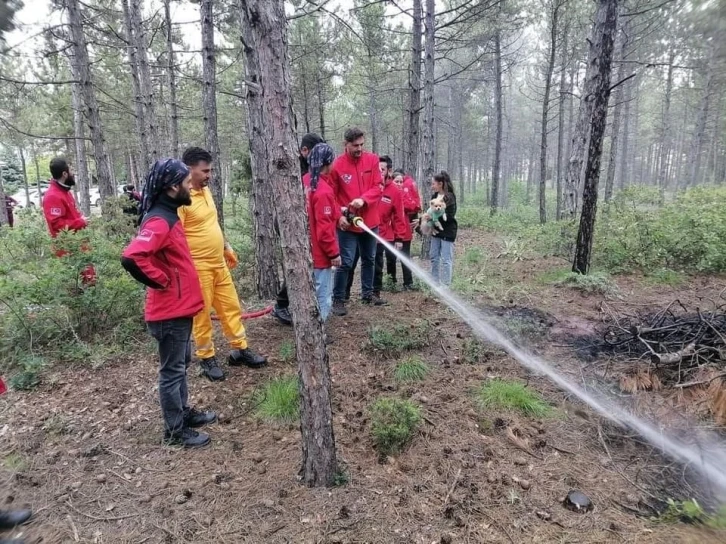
(159, 257)
(411, 207)
(356, 182)
(60, 211)
(393, 224)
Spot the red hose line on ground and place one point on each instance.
(250, 315)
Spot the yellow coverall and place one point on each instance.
(206, 242)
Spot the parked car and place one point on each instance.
(35, 197)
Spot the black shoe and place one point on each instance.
(282, 315)
(187, 438)
(13, 518)
(339, 308)
(247, 357)
(194, 418)
(374, 300)
(210, 369)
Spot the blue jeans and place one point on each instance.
(324, 290)
(175, 353)
(366, 244)
(442, 256)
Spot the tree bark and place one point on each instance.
(209, 103)
(81, 166)
(414, 93)
(561, 121)
(665, 137)
(81, 70)
(601, 53)
(171, 72)
(147, 89)
(24, 165)
(264, 38)
(545, 112)
(615, 129)
(699, 134)
(625, 159)
(497, 165)
(429, 133)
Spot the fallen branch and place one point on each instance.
(700, 382)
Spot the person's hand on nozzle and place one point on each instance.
(357, 203)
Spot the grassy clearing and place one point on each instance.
(287, 351)
(666, 276)
(596, 282)
(411, 369)
(278, 401)
(393, 424)
(511, 395)
(397, 339)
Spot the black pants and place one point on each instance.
(407, 276)
(282, 300)
(390, 267)
(173, 337)
(351, 275)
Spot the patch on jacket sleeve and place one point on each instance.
(56, 211)
(145, 235)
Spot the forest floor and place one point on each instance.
(84, 450)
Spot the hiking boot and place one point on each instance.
(374, 300)
(187, 438)
(339, 308)
(246, 357)
(13, 518)
(194, 418)
(282, 315)
(210, 369)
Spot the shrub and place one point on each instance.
(510, 395)
(278, 401)
(393, 424)
(396, 339)
(595, 282)
(411, 369)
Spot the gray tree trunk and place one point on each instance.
(665, 137)
(617, 111)
(561, 121)
(625, 159)
(209, 103)
(428, 142)
(263, 200)
(545, 112)
(81, 69)
(81, 166)
(497, 164)
(601, 54)
(264, 35)
(171, 73)
(26, 185)
(414, 93)
(147, 89)
(699, 134)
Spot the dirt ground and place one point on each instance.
(84, 450)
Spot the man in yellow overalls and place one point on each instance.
(213, 258)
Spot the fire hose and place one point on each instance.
(249, 315)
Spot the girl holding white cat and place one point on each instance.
(443, 230)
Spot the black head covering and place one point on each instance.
(309, 141)
(321, 155)
(164, 174)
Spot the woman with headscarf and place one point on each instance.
(159, 257)
(323, 216)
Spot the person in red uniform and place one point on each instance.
(60, 211)
(411, 207)
(393, 224)
(159, 257)
(323, 216)
(356, 182)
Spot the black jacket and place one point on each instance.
(450, 225)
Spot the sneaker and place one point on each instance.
(282, 315)
(246, 357)
(194, 418)
(339, 308)
(12, 518)
(210, 369)
(374, 300)
(187, 438)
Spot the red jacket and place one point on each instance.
(394, 224)
(59, 209)
(351, 179)
(323, 216)
(159, 257)
(411, 204)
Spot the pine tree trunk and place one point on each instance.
(561, 122)
(81, 70)
(262, 202)
(81, 165)
(545, 113)
(625, 159)
(321, 103)
(428, 143)
(209, 103)
(615, 129)
(601, 53)
(264, 38)
(147, 89)
(665, 137)
(414, 93)
(171, 73)
(497, 164)
(699, 134)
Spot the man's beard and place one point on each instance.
(183, 199)
(69, 182)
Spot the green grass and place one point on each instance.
(666, 276)
(474, 256)
(511, 395)
(15, 462)
(393, 424)
(596, 282)
(396, 339)
(287, 351)
(411, 369)
(278, 401)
